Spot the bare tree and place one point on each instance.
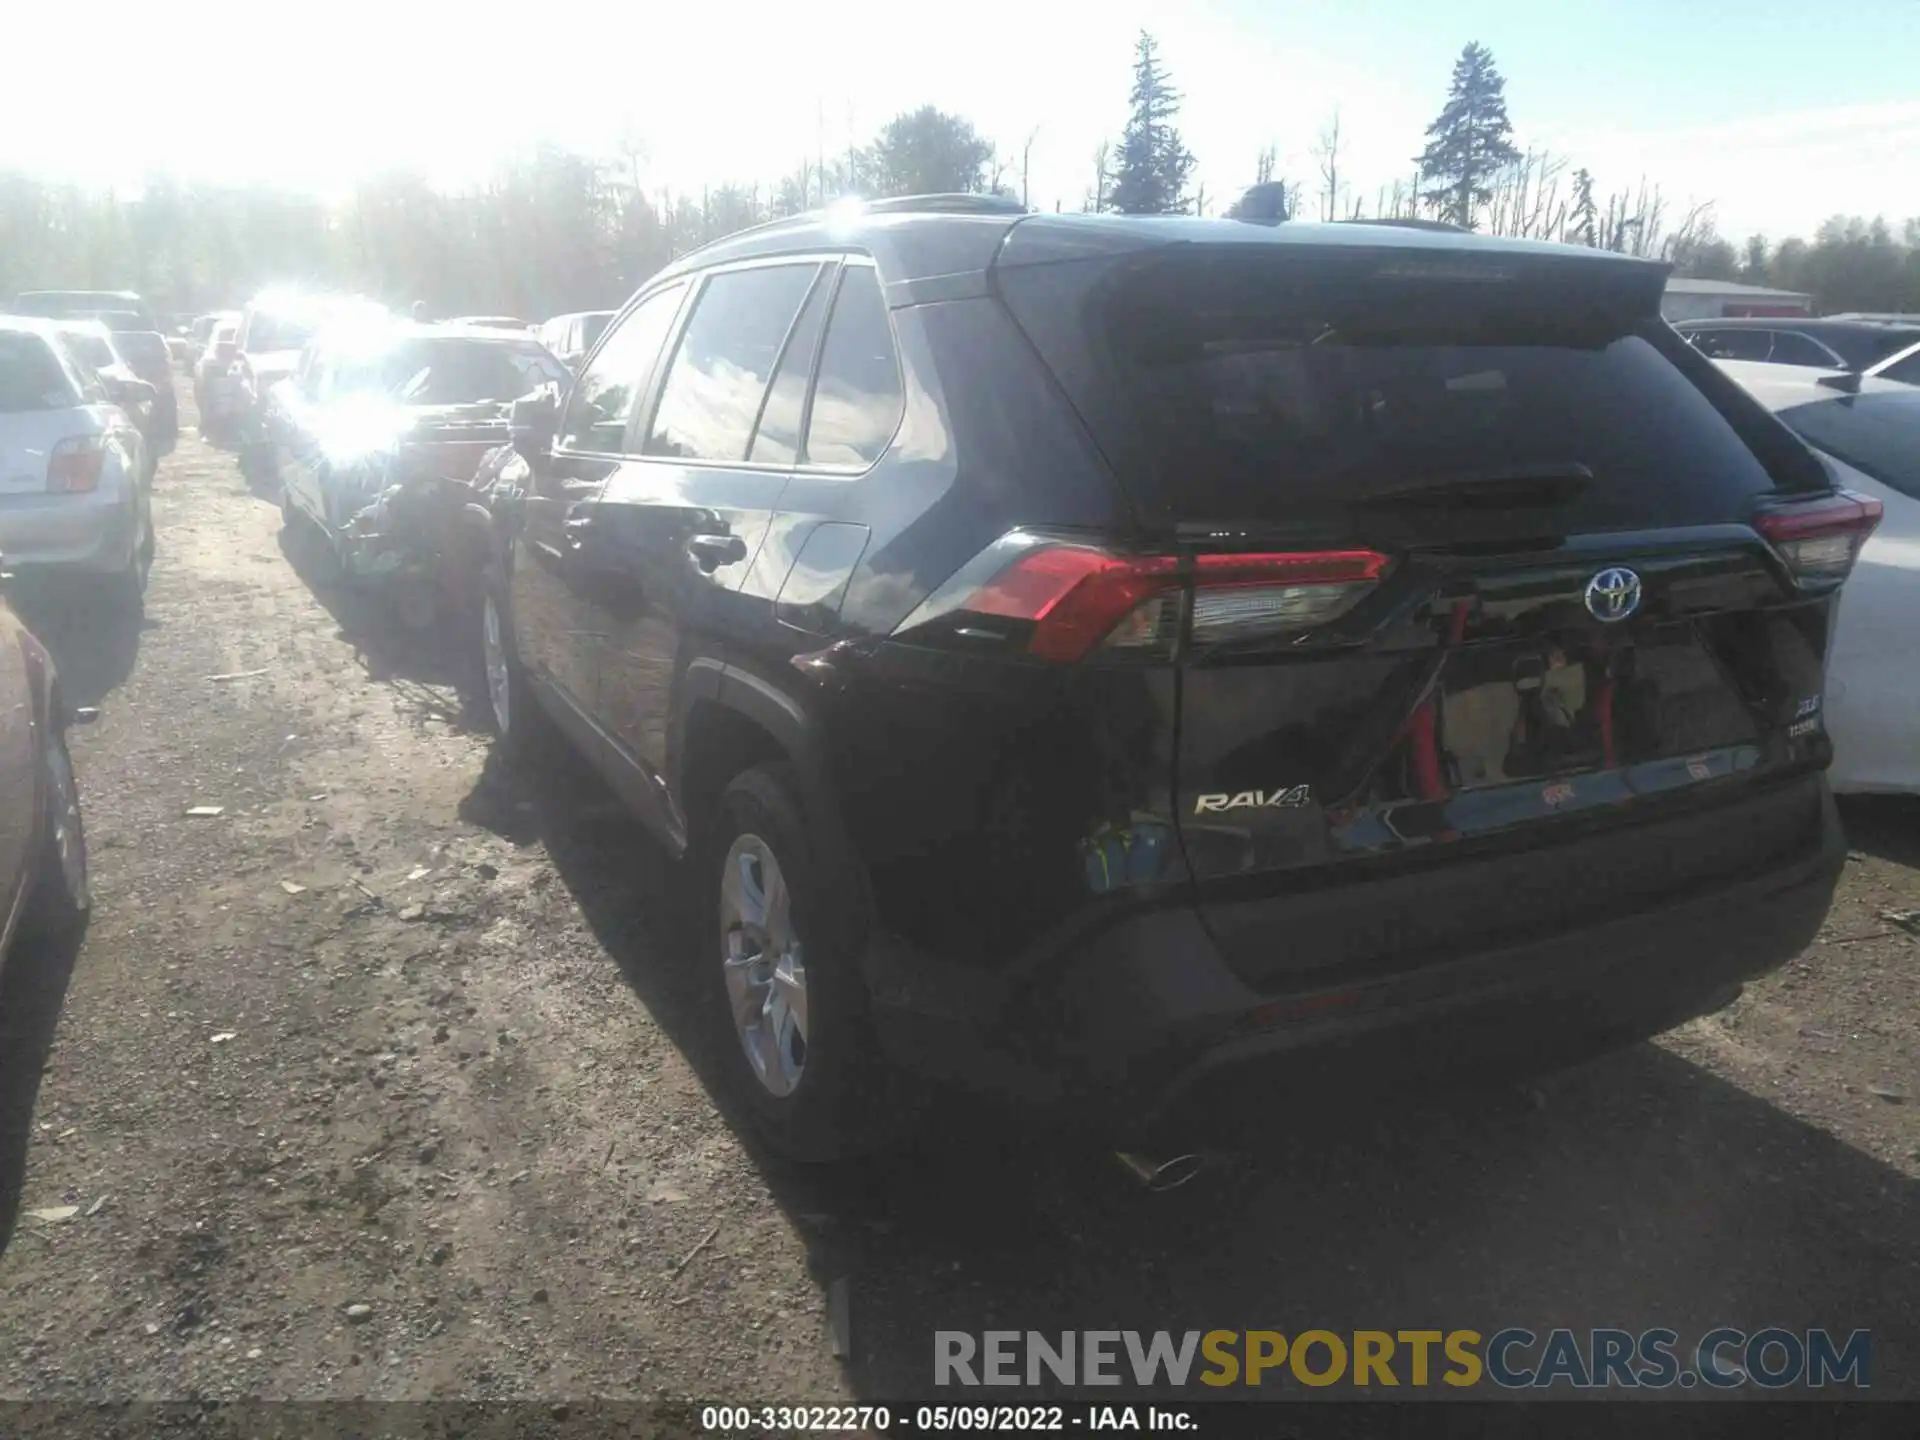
(1263, 167)
(1097, 197)
(1326, 150)
(1526, 200)
(1026, 157)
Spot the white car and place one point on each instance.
(74, 474)
(1869, 430)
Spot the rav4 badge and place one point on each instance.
(1288, 799)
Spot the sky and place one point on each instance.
(1779, 112)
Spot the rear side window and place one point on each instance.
(858, 399)
(777, 440)
(602, 403)
(1790, 348)
(724, 361)
(31, 376)
(1267, 393)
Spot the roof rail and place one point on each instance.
(945, 204)
(1409, 222)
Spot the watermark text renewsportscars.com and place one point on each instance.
(1722, 1358)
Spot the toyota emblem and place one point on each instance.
(1613, 595)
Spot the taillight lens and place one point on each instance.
(1821, 539)
(1069, 599)
(74, 466)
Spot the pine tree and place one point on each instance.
(1151, 177)
(1470, 140)
(1586, 215)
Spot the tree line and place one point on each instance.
(558, 230)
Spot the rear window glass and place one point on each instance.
(1878, 434)
(590, 328)
(1263, 397)
(31, 378)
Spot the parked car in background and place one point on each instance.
(1189, 664)
(273, 331)
(44, 891)
(1812, 344)
(381, 433)
(74, 472)
(1869, 431)
(91, 344)
(216, 389)
(1902, 367)
(140, 344)
(489, 322)
(86, 305)
(572, 336)
(200, 335)
(146, 355)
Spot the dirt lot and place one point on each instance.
(390, 1080)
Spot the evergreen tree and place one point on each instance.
(1585, 224)
(1470, 140)
(1151, 177)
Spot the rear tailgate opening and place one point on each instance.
(1475, 566)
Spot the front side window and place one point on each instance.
(602, 403)
(857, 400)
(724, 361)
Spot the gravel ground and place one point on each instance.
(390, 1081)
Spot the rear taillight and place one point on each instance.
(1062, 600)
(1820, 539)
(74, 466)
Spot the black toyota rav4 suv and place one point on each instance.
(1138, 666)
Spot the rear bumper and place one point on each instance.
(1147, 1035)
(74, 532)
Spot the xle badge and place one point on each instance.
(1290, 799)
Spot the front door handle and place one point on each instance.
(710, 552)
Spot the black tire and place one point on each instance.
(522, 730)
(56, 909)
(130, 585)
(257, 464)
(847, 1100)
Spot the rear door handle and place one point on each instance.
(710, 552)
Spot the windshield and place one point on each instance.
(270, 332)
(142, 346)
(452, 372)
(1879, 434)
(31, 378)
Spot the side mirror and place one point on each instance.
(532, 422)
(1847, 384)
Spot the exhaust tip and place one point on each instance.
(1163, 1175)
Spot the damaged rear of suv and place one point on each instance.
(1244, 655)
